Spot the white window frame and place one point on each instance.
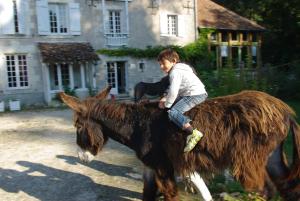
(16, 17)
(62, 18)
(172, 23)
(18, 64)
(114, 22)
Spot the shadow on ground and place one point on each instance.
(47, 183)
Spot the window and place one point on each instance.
(17, 73)
(224, 36)
(234, 36)
(244, 36)
(65, 75)
(16, 22)
(59, 76)
(213, 36)
(172, 25)
(254, 37)
(58, 18)
(114, 22)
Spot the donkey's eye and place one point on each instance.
(79, 127)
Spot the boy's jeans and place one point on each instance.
(181, 106)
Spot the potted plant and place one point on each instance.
(14, 105)
(2, 106)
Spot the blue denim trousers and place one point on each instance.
(182, 105)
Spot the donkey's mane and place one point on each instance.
(118, 110)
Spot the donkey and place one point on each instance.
(153, 89)
(244, 132)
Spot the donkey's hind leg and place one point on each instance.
(278, 170)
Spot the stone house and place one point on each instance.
(47, 46)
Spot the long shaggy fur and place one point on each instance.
(240, 132)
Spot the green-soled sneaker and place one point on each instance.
(192, 140)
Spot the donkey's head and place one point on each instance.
(90, 138)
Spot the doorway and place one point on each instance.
(116, 76)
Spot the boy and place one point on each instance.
(185, 91)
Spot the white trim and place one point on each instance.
(82, 74)
(58, 68)
(94, 76)
(47, 83)
(71, 75)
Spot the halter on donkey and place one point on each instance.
(244, 132)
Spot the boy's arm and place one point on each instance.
(175, 81)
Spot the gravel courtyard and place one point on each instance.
(38, 161)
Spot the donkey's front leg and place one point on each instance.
(150, 186)
(165, 180)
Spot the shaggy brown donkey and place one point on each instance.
(243, 132)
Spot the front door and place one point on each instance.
(116, 77)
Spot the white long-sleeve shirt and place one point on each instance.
(183, 82)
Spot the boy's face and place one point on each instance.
(166, 65)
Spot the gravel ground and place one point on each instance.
(38, 161)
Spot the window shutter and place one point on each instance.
(7, 17)
(106, 22)
(74, 18)
(22, 10)
(181, 26)
(163, 24)
(43, 17)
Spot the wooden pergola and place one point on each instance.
(237, 40)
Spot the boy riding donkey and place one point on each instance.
(185, 91)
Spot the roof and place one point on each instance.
(67, 52)
(212, 15)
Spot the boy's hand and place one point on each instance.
(161, 103)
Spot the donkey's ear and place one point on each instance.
(104, 93)
(73, 102)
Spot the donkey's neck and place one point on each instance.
(119, 121)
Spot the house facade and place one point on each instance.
(236, 41)
(47, 46)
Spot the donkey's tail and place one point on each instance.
(293, 190)
(295, 167)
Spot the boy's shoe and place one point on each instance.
(192, 140)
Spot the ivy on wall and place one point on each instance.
(195, 53)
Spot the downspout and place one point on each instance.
(103, 16)
(196, 18)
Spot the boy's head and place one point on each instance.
(167, 58)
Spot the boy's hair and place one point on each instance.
(169, 55)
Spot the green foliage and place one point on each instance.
(282, 22)
(69, 91)
(92, 92)
(229, 80)
(195, 53)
